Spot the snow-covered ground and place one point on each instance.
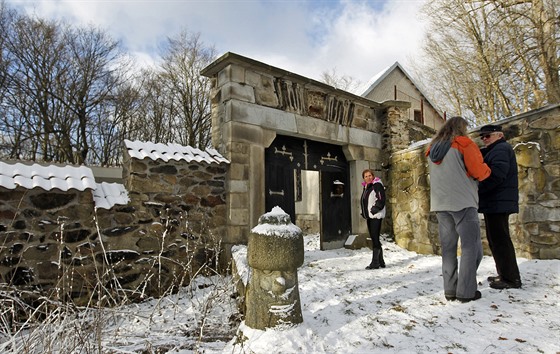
(348, 309)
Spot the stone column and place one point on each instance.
(274, 253)
(396, 129)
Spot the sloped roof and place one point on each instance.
(64, 178)
(379, 77)
(141, 150)
(376, 80)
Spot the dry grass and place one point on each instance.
(114, 318)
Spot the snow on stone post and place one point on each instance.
(274, 252)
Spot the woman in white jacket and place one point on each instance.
(373, 210)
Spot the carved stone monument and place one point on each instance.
(274, 252)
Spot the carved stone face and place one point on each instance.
(278, 283)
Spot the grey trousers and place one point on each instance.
(463, 225)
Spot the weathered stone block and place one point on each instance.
(76, 235)
(549, 253)
(238, 216)
(237, 91)
(52, 200)
(42, 251)
(528, 155)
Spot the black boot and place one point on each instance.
(381, 260)
(375, 260)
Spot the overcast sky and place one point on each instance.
(307, 37)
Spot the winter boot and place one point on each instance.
(381, 260)
(375, 260)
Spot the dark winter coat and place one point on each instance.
(499, 193)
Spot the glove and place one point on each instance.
(375, 210)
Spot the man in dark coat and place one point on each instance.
(498, 198)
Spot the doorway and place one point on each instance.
(309, 181)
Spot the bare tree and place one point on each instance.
(153, 120)
(6, 16)
(114, 121)
(185, 56)
(175, 104)
(36, 49)
(92, 78)
(344, 82)
(491, 59)
(6, 28)
(67, 93)
(58, 89)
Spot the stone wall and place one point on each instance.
(535, 231)
(58, 243)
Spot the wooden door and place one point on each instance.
(335, 209)
(285, 159)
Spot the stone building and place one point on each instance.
(276, 127)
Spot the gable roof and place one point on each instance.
(376, 80)
(379, 77)
(140, 150)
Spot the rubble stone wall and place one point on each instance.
(58, 243)
(535, 230)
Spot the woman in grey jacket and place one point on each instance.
(456, 167)
(373, 210)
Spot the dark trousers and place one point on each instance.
(374, 228)
(499, 240)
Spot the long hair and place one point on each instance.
(455, 126)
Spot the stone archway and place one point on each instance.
(254, 102)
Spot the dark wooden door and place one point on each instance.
(285, 159)
(335, 209)
(279, 184)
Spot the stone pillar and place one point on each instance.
(274, 253)
(396, 129)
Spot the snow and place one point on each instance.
(529, 144)
(401, 308)
(64, 178)
(107, 195)
(416, 144)
(171, 151)
(348, 309)
(280, 228)
(46, 177)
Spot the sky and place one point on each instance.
(346, 309)
(308, 37)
